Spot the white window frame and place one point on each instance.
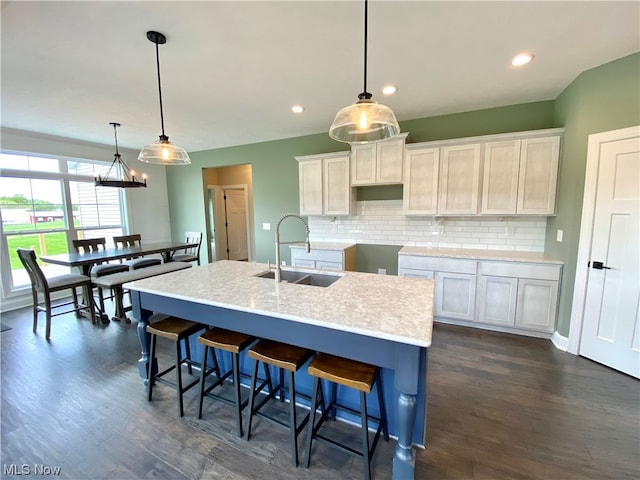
(9, 290)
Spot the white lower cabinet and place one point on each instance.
(336, 258)
(455, 295)
(497, 300)
(537, 304)
(518, 297)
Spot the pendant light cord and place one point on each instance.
(366, 15)
(160, 89)
(115, 135)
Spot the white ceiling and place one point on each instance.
(232, 70)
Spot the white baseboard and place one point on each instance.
(560, 342)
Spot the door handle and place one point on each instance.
(598, 266)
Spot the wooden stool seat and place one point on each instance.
(281, 355)
(176, 330)
(229, 341)
(351, 374)
(226, 340)
(284, 357)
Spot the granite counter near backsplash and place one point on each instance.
(382, 222)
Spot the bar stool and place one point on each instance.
(284, 357)
(176, 330)
(352, 374)
(234, 343)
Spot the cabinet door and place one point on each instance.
(389, 156)
(420, 192)
(310, 183)
(459, 180)
(337, 190)
(455, 295)
(538, 175)
(363, 164)
(497, 300)
(536, 306)
(500, 177)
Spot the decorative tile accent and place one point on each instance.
(383, 222)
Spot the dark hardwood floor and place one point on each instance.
(500, 407)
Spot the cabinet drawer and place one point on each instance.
(317, 255)
(520, 270)
(438, 264)
(408, 272)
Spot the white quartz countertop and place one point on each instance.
(499, 255)
(325, 245)
(382, 306)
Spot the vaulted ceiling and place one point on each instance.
(232, 70)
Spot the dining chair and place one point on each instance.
(99, 269)
(191, 254)
(46, 286)
(137, 261)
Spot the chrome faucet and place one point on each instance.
(278, 242)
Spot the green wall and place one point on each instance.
(604, 98)
(275, 172)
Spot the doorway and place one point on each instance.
(605, 310)
(230, 233)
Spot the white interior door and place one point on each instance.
(610, 330)
(236, 215)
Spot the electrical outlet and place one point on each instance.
(382, 271)
(559, 235)
(266, 226)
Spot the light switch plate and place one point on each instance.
(266, 226)
(559, 235)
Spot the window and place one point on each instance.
(45, 203)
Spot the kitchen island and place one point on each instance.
(382, 320)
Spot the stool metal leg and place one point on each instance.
(312, 417)
(236, 392)
(203, 375)
(150, 376)
(254, 377)
(292, 418)
(366, 455)
(383, 410)
(179, 379)
(187, 350)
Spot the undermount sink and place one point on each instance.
(303, 278)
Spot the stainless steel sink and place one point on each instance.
(303, 278)
(319, 279)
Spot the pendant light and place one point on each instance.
(162, 151)
(366, 120)
(128, 179)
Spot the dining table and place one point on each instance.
(85, 260)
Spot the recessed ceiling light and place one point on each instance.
(521, 59)
(389, 89)
(297, 109)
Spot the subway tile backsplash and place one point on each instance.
(382, 222)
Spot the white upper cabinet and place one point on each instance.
(538, 175)
(420, 192)
(520, 176)
(378, 163)
(500, 177)
(459, 179)
(324, 184)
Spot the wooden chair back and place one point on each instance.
(37, 277)
(133, 240)
(90, 245)
(193, 237)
